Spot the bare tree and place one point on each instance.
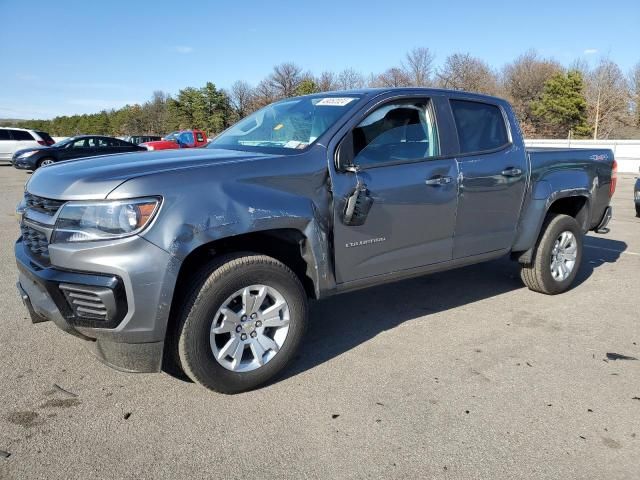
(634, 85)
(285, 78)
(349, 79)
(392, 77)
(263, 95)
(461, 71)
(523, 83)
(327, 82)
(607, 96)
(418, 66)
(241, 97)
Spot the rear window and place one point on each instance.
(4, 135)
(45, 136)
(21, 135)
(480, 126)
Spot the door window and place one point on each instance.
(84, 143)
(21, 135)
(480, 126)
(105, 143)
(199, 137)
(396, 132)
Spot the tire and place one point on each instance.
(218, 287)
(45, 162)
(637, 210)
(537, 275)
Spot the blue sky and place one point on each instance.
(64, 57)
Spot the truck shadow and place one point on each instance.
(343, 322)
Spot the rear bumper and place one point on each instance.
(135, 288)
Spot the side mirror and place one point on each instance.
(345, 155)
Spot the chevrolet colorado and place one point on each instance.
(204, 259)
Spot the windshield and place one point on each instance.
(291, 124)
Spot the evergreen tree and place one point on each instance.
(563, 106)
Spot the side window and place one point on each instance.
(4, 135)
(105, 142)
(21, 135)
(84, 143)
(395, 132)
(480, 126)
(199, 137)
(186, 138)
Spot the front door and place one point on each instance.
(395, 209)
(83, 147)
(493, 174)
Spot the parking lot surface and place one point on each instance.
(464, 374)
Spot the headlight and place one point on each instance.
(149, 147)
(26, 154)
(87, 221)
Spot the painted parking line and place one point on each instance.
(613, 250)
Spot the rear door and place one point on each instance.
(493, 172)
(397, 211)
(23, 139)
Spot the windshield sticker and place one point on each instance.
(335, 101)
(294, 144)
(278, 126)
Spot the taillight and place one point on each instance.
(50, 142)
(614, 178)
(42, 142)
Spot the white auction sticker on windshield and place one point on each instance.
(335, 101)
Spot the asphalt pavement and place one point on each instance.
(459, 375)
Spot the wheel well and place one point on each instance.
(282, 244)
(576, 207)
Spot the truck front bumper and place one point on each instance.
(115, 295)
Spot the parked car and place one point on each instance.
(636, 196)
(181, 139)
(71, 148)
(204, 260)
(13, 139)
(138, 139)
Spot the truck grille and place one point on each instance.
(43, 205)
(88, 302)
(36, 242)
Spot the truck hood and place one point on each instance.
(93, 178)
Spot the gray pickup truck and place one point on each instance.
(202, 261)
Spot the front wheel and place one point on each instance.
(242, 324)
(556, 257)
(45, 161)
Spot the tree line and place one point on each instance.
(551, 101)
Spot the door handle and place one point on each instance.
(438, 180)
(511, 172)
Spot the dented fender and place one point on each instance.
(202, 205)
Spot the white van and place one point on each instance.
(13, 139)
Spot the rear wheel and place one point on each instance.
(242, 323)
(556, 257)
(637, 210)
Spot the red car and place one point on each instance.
(180, 139)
